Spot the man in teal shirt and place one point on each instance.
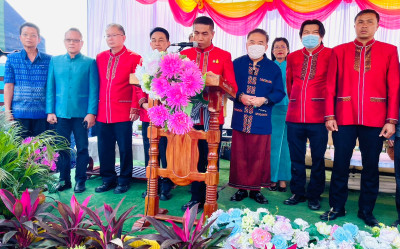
(72, 97)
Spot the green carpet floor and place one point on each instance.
(385, 210)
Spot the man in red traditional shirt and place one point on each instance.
(306, 84)
(118, 107)
(209, 58)
(362, 102)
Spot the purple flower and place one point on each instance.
(158, 115)
(171, 65)
(44, 149)
(27, 140)
(179, 123)
(160, 86)
(176, 98)
(37, 152)
(192, 81)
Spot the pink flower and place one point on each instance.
(44, 149)
(192, 81)
(176, 98)
(37, 152)
(283, 228)
(333, 229)
(179, 123)
(27, 140)
(160, 86)
(260, 237)
(170, 65)
(158, 115)
(53, 166)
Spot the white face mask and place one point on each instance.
(255, 51)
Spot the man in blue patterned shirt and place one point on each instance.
(25, 83)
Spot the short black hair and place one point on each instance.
(162, 30)
(321, 29)
(116, 25)
(260, 31)
(273, 44)
(29, 24)
(75, 30)
(367, 11)
(205, 20)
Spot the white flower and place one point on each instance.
(396, 241)
(248, 223)
(302, 223)
(387, 235)
(262, 210)
(369, 243)
(346, 245)
(301, 238)
(284, 229)
(361, 235)
(323, 228)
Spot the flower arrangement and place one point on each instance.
(261, 229)
(174, 80)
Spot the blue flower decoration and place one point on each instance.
(342, 235)
(353, 229)
(235, 215)
(279, 242)
(223, 219)
(237, 228)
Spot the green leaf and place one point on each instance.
(8, 236)
(188, 109)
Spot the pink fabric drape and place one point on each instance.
(242, 25)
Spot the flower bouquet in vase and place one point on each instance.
(177, 83)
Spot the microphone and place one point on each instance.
(186, 44)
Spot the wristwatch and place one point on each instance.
(266, 101)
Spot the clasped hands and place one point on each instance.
(252, 100)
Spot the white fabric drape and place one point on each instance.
(139, 19)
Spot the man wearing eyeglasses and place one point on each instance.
(118, 107)
(71, 103)
(25, 83)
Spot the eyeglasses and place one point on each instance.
(112, 36)
(280, 47)
(72, 40)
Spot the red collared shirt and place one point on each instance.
(217, 61)
(117, 98)
(363, 84)
(306, 75)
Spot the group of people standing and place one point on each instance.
(351, 90)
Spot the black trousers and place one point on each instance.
(297, 134)
(370, 144)
(108, 135)
(165, 183)
(32, 127)
(198, 189)
(397, 173)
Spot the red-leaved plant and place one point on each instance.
(111, 236)
(189, 236)
(22, 229)
(71, 228)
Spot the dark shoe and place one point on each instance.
(396, 223)
(239, 195)
(79, 187)
(165, 196)
(332, 214)
(314, 204)
(144, 194)
(294, 200)
(106, 186)
(369, 219)
(190, 204)
(63, 186)
(272, 188)
(282, 189)
(258, 197)
(121, 188)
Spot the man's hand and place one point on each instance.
(388, 130)
(9, 115)
(51, 118)
(246, 99)
(331, 125)
(90, 119)
(390, 143)
(145, 106)
(257, 101)
(133, 117)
